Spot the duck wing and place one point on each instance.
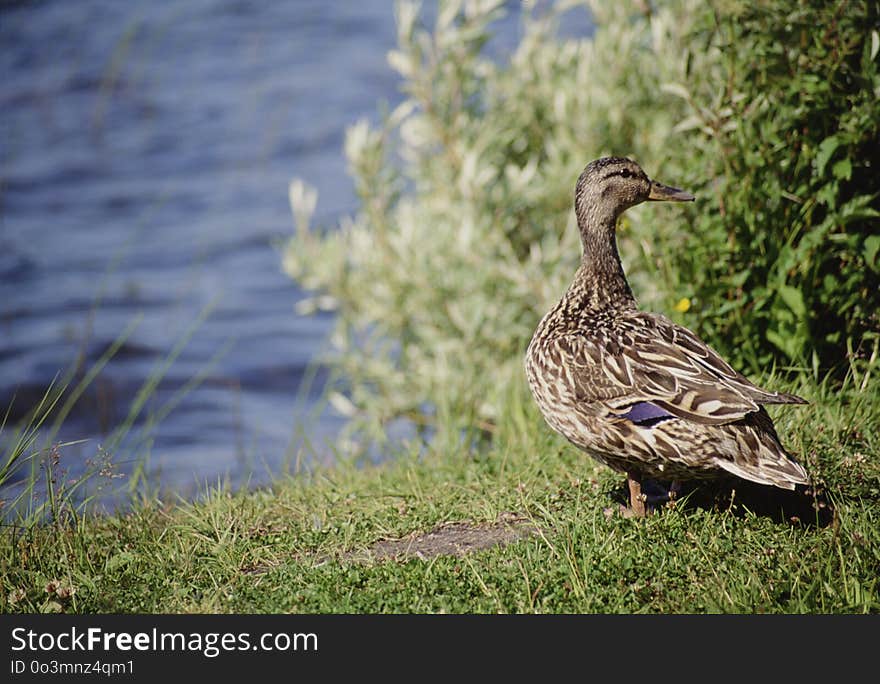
(644, 367)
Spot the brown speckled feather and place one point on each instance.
(646, 357)
(632, 389)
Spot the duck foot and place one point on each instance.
(645, 497)
(622, 510)
(637, 500)
(658, 494)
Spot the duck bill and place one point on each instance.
(665, 193)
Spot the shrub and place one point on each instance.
(783, 255)
(466, 234)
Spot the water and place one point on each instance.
(146, 153)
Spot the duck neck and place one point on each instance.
(600, 282)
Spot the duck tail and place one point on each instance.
(784, 398)
(762, 458)
(784, 472)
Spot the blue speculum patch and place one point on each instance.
(646, 414)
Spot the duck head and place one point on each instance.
(611, 185)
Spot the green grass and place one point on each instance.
(302, 545)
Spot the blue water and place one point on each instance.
(145, 154)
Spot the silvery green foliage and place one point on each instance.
(466, 232)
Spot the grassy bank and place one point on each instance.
(389, 538)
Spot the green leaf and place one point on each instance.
(794, 299)
(823, 154)
(785, 342)
(857, 209)
(872, 246)
(119, 560)
(842, 169)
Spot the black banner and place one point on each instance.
(154, 647)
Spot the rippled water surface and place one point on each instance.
(146, 152)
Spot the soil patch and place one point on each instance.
(448, 539)
(454, 539)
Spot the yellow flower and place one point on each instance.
(683, 305)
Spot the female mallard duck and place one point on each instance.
(633, 389)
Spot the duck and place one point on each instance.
(631, 388)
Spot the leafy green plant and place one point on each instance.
(466, 234)
(783, 256)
